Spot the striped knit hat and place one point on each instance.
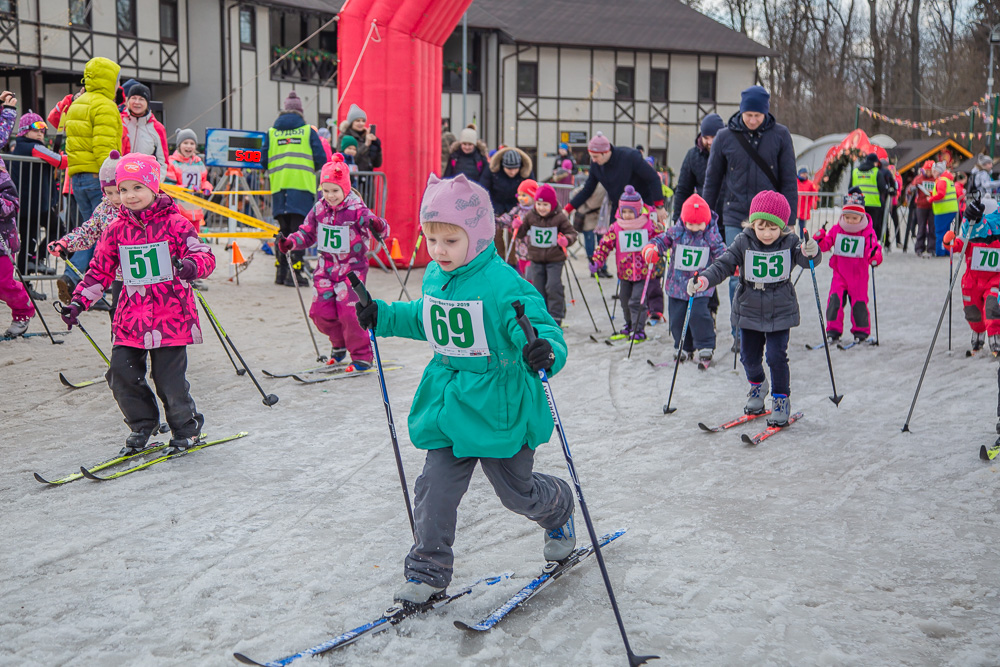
(770, 206)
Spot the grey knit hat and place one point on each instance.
(185, 134)
(355, 113)
(107, 173)
(292, 103)
(511, 159)
(982, 160)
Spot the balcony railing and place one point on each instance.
(306, 65)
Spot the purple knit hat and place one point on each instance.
(770, 206)
(463, 203)
(292, 103)
(599, 144)
(630, 199)
(27, 119)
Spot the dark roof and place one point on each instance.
(655, 25)
(324, 6)
(913, 152)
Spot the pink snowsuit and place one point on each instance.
(154, 315)
(12, 292)
(630, 265)
(333, 304)
(852, 254)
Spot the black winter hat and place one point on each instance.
(141, 90)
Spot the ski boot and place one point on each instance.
(781, 408)
(16, 328)
(337, 355)
(639, 336)
(300, 276)
(358, 366)
(280, 272)
(755, 397)
(560, 542)
(178, 445)
(832, 337)
(416, 592)
(135, 442)
(704, 359)
(995, 345)
(978, 340)
(860, 338)
(680, 354)
(65, 289)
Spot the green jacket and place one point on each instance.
(486, 406)
(93, 123)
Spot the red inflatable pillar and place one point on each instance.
(398, 84)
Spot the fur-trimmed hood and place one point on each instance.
(480, 146)
(526, 166)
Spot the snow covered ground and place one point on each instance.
(839, 542)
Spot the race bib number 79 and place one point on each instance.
(767, 267)
(985, 259)
(455, 328)
(632, 240)
(146, 264)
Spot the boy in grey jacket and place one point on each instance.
(765, 307)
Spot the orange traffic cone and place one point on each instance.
(396, 254)
(237, 255)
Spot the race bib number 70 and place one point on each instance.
(767, 267)
(146, 264)
(985, 259)
(455, 328)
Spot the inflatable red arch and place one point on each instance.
(398, 84)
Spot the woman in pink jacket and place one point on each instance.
(159, 254)
(339, 225)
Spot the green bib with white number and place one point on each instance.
(849, 246)
(543, 237)
(455, 328)
(985, 259)
(146, 264)
(690, 258)
(334, 239)
(767, 267)
(632, 240)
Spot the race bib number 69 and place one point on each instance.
(146, 264)
(455, 328)
(767, 267)
(985, 259)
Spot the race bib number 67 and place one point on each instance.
(455, 328)
(985, 259)
(767, 267)
(146, 264)
(849, 246)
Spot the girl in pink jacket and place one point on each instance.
(159, 254)
(339, 225)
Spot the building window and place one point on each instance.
(248, 28)
(8, 9)
(125, 10)
(625, 83)
(168, 21)
(452, 59)
(659, 85)
(527, 79)
(79, 13)
(706, 86)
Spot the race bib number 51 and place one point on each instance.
(455, 328)
(767, 267)
(849, 246)
(146, 264)
(334, 239)
(985, 259)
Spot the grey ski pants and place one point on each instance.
(127, 378)
(546, 500)
(547, 279)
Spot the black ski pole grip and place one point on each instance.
(359, 288)
(523, 321)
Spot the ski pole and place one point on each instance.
(875, 305)
(413, 258)
(796, 281)
(642, 300)
(667, 410)
(951, 270)
(211, 320)
(392, 263)
(34, 305)
(269, 399)
(572, 298)
(365, 298)
(295, 279)
(616, 297)
(529, 333)
(59, 309)
(584, 296)
(836, 398)
(80, 276)
(611, 318)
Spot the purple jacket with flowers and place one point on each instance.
(351, 213)
(630, 264)
(156, 315)
(10, 242)
(679, 235)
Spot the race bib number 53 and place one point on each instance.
(767, 267)
(334, 239)
(985, 259)
(455, 328)
(146, 264)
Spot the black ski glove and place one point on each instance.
(538, 354)
(367, 314)
(974, 211)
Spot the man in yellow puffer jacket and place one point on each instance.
(93, 130)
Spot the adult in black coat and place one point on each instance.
(467, 155)
(614, 167)
(692, 177)
(565, 153)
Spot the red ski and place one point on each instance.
(769, 431)
(742, 419)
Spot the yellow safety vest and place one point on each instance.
(289, 160)
(950, 202)
(868, 182)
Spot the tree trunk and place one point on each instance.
(877, 85)
(915, 59)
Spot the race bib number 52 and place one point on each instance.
(455, 328)
(767, 267)
(544, 237)
(146, 264)
(985, 259)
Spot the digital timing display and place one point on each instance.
(238, 149)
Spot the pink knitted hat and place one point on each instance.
(138, 167)
(547, 194)
(463, 203)
(599, 144)
(770, 206)
(337, 172)
(630, 199)
(28, 119)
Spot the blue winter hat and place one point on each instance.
(564, 146)
(711, 124)
(755, 98)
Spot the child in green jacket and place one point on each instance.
(480, 399)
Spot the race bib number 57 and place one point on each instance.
(691, 258)
(146, 264)
(767, 267)
(455, 328)
(985, 259)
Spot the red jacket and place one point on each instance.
(808, 202)
(58, 110)
(921, 196)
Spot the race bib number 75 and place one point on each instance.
(334, 239)
(146, 264)
(455, 328)
(767, 267)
